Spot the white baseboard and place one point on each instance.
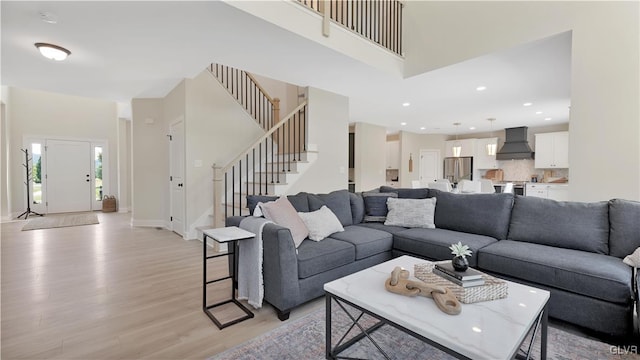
(123, 210)
(149, 223)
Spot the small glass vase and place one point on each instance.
(460, 263)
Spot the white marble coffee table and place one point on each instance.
(485, 330)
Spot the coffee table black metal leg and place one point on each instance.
(543, 334)
(328, 327)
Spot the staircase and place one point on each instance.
(271, 164)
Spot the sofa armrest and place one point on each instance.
(280, 268)
(233, 220)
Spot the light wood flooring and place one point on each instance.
(111, 291)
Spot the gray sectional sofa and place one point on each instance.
(572, 249)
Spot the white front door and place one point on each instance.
(429, 166)
(68, 176)
(176, 151)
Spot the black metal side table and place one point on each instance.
(230, 235)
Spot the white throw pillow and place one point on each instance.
(414, 213)
(321, 223)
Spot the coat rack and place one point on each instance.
(29, 177)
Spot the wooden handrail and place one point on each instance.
(266, 94)
(262, 138)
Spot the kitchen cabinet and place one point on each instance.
(552, 150)
(481, 160)
(468, 147)
(393, 154)
(558, 192)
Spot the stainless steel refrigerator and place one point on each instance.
(458, 168)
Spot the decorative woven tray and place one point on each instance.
(492, 289)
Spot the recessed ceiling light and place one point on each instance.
(403, 123)
(547, 118)
(422, 128)
(538, 112)
(405, 104)
(481, 88)
(472, 128)
(48, 17)
(53, 52)
(527, 104)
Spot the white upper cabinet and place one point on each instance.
(552, 150)
(468, 147)
(393, 154)
(481, 159)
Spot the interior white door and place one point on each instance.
(68, 176)
(429, 166)
(176, 178)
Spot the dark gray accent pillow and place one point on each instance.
(624, 231)
(482, 214)
(338, 201)
(406, 193)
(565, 224)
(375, 205)
(357, 207)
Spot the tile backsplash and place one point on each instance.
(522, 170)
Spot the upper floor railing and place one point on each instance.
(378, 20)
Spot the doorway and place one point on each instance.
(67, 175)
(176, 176)
(430, 166)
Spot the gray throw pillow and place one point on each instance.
(412, 213)
(375, 205)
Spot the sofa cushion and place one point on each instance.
(434, 243)
(357, 207)
(315, 257)
(564, 224)
(624, 231)
(367, 241)
(406, 193)
(482, 214)
(299, 201)
(282, 213)
(599, 276)
(414, 213)
(338, 201)
(381, 226)
(375, 206)
(321, 223)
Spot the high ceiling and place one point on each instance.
(125, 50)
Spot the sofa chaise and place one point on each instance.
(572, 249)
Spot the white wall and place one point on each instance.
(370, 156)
(605, 111)
(51, 115)
(411, 143)
(4, 173)
(328, 129)
(150, 164)
(124, 165)
(217, 130)
(287, 93)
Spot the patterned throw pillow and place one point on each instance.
(375, 205)
(321, 223)
(414, 213)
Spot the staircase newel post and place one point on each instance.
(276, 111)
(218, 197)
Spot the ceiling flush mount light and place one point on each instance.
(492, 147)
(527, 104)
(481, 88)
(53, 52)
(457, 148)
(405, 104)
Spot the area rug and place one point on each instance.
(304, 338)
(47, 222)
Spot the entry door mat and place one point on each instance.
(304, 338)
(48, 222)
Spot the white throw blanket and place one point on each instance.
(250, 280)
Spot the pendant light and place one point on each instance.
(457, 148)
(493, 146)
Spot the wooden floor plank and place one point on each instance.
(110, 291)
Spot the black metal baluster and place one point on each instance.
(260, 168)
(233, 189)
(254, 171)
(226, 215)
(272, 151)
(239, 187)
(247, 181)
(277, 134)
(304, 132)
(299, 135)
(266, 167)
